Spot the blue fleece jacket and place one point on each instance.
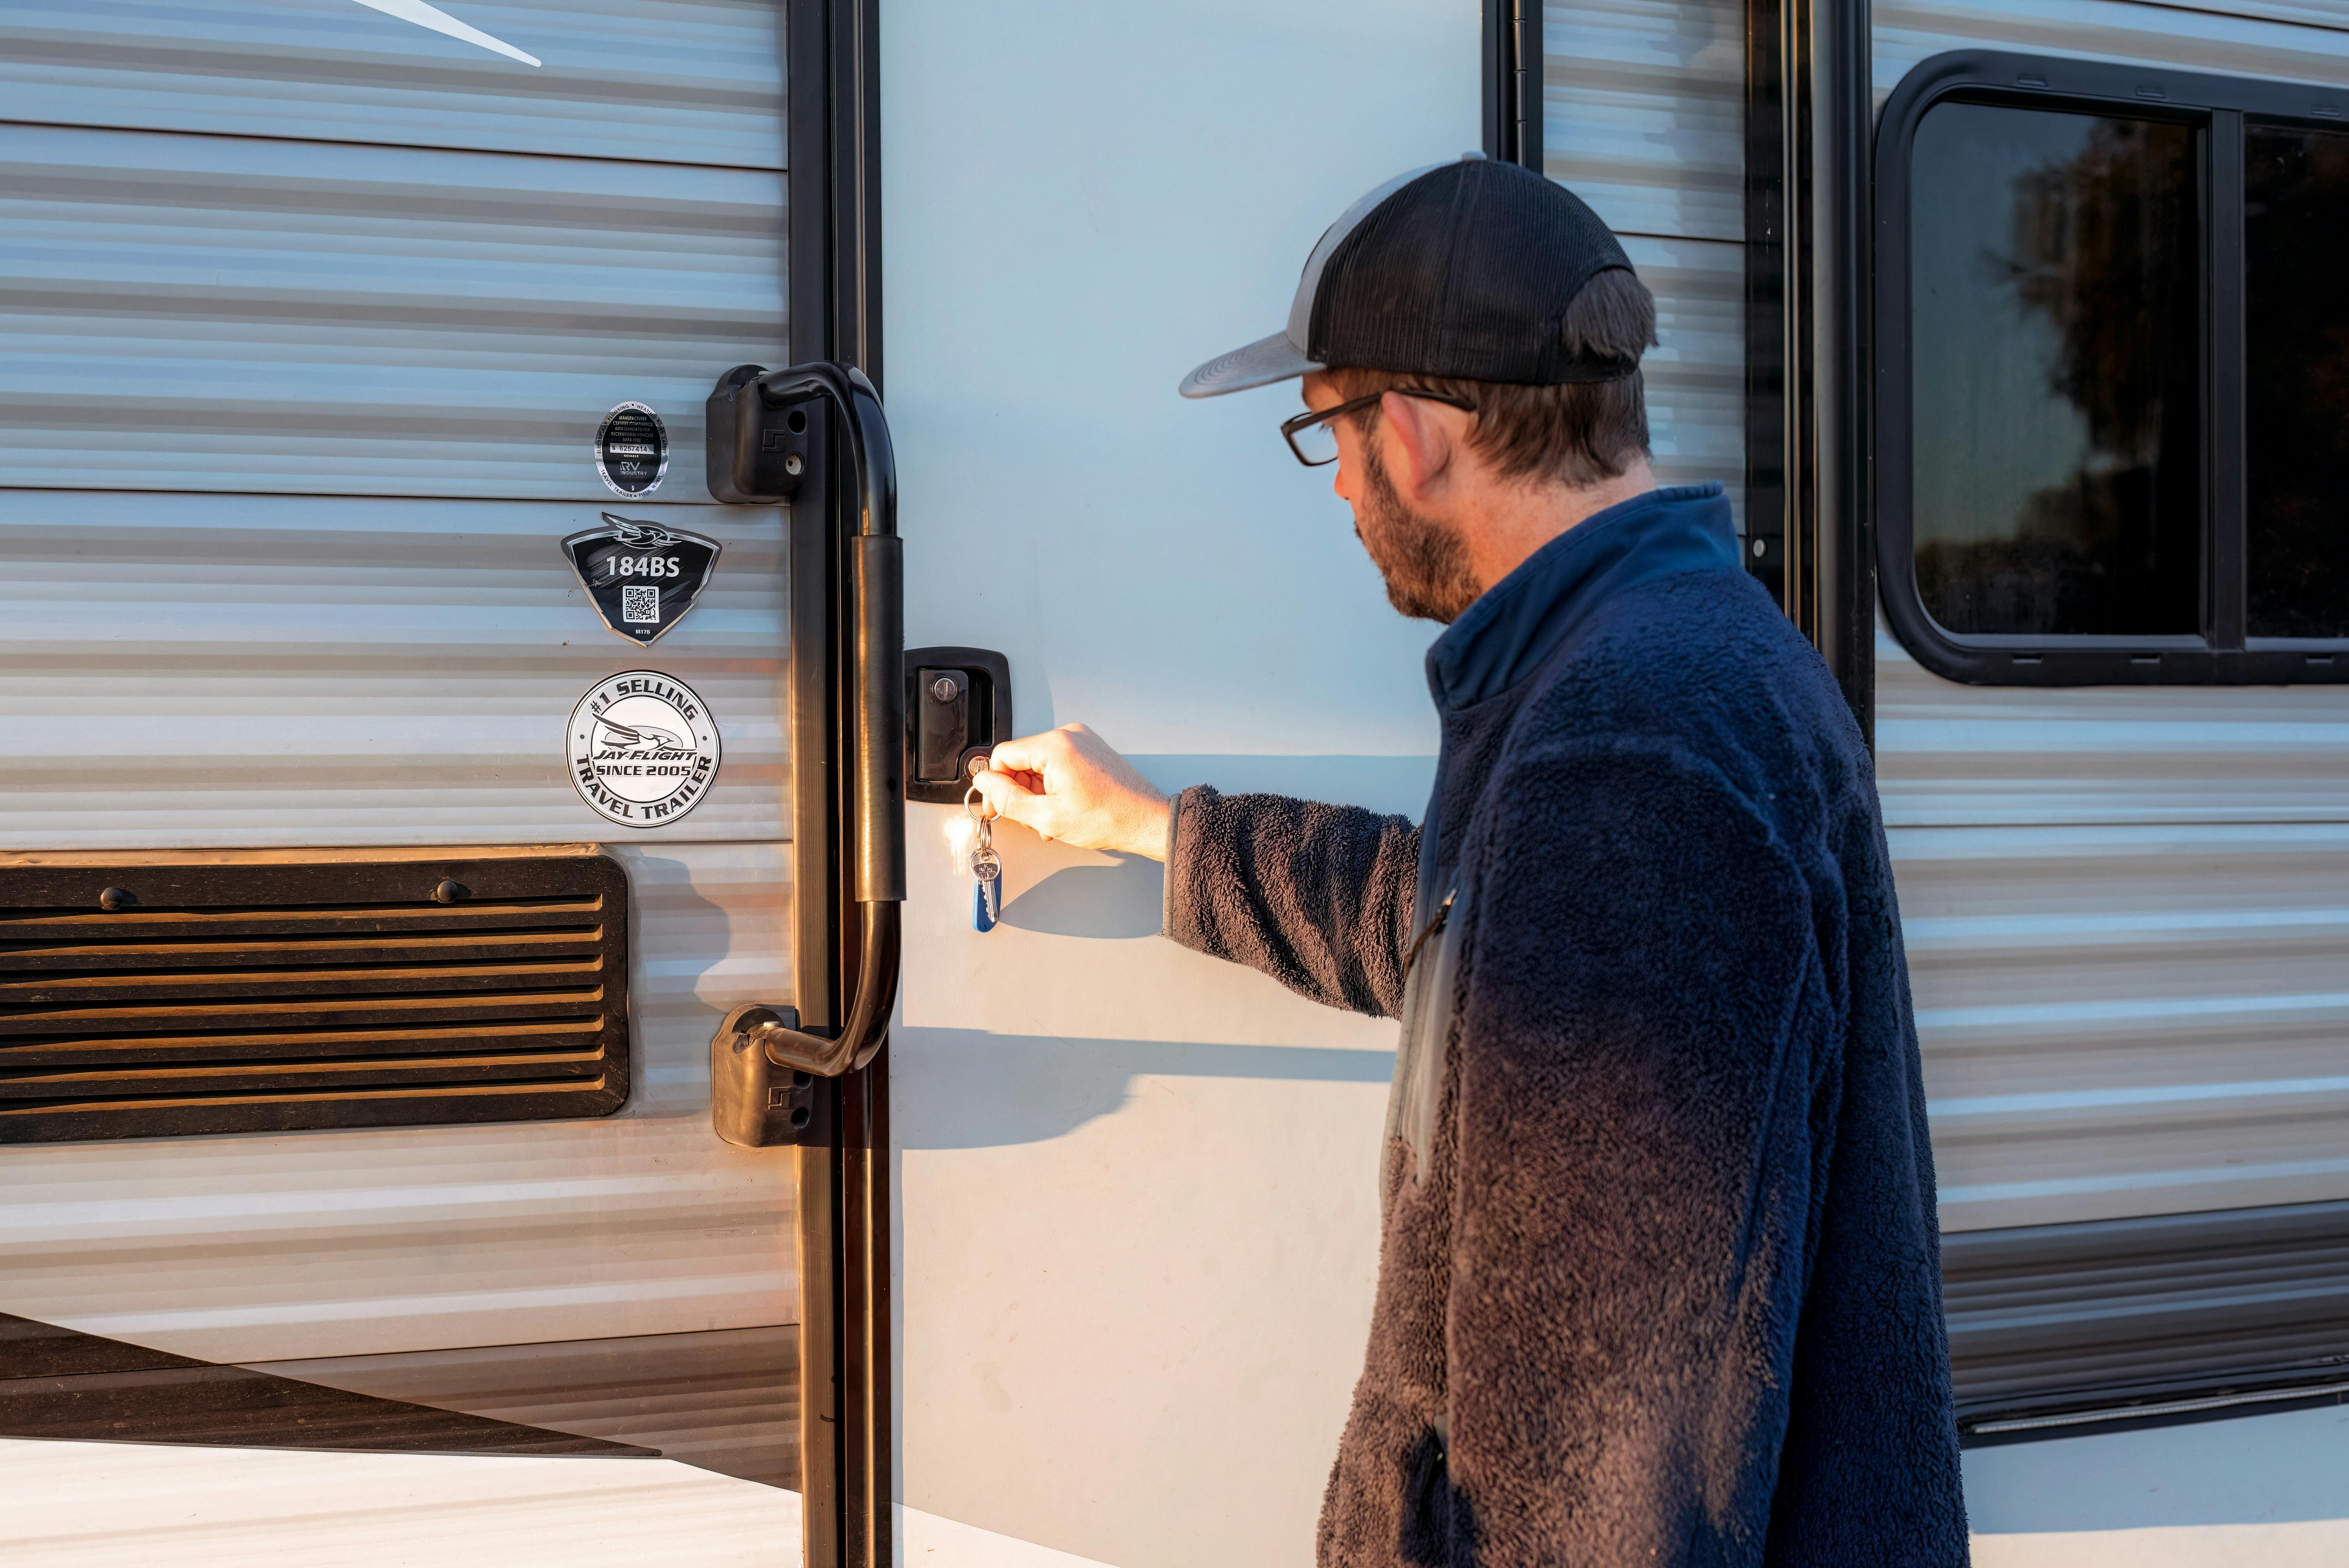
(1659, 1279)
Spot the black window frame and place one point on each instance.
(2219, 107)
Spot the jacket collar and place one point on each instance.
(1515, 624)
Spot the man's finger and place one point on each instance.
(1025, 754)
(1005, 796)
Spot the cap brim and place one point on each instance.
(1260, 364)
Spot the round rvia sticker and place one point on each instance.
(631, 449)
(644, 750)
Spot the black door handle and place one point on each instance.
(747, 403)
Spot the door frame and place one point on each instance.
(1809, 351)
(833, 162)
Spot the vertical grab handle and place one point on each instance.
(876, 723)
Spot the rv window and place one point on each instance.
(2112, 375)
(2296, 337)
(2057, 374)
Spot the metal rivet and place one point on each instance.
(944, 688)
(793, 464)
(117, 898)
(1760, 547)
(450, 891)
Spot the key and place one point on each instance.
(987, 888)
(985, 866)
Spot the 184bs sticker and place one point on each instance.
(644, 750)
(643, 577)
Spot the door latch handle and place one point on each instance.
(958, 708)
(748, 406)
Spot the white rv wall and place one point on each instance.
(2256, 1491)
(1135, 1185)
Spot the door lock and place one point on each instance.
(957, 706)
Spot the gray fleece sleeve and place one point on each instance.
(1319, 897)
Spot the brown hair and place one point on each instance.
(1578, 433)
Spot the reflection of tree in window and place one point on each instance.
(2296, 236)
(2084, 514)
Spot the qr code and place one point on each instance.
(640, 604)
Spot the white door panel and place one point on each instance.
(1136, 1187)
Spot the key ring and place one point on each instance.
(979, 813)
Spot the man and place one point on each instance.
(1660, 1280)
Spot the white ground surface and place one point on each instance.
(133, 1505)
(2269, 1491)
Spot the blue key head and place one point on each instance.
(986, 903)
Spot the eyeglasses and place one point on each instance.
(1309, 435)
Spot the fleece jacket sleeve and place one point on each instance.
(1647, 1071)
(1319, 897)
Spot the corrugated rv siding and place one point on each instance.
(235, 314)
(192, 669)
(1644, 118)
(663, 81)
(294, 412)
(2126, 907)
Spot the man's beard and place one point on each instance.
(1425, 564)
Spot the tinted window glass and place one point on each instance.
(2296, 397)
(2056, 323)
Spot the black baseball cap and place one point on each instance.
(1459, 269)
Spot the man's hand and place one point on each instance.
(1067, 784)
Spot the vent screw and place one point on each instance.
(117, 898)
(449, 891)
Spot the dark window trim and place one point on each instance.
(2221, 655)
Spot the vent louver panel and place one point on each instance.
(147, 1000)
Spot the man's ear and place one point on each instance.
(1421, 444)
